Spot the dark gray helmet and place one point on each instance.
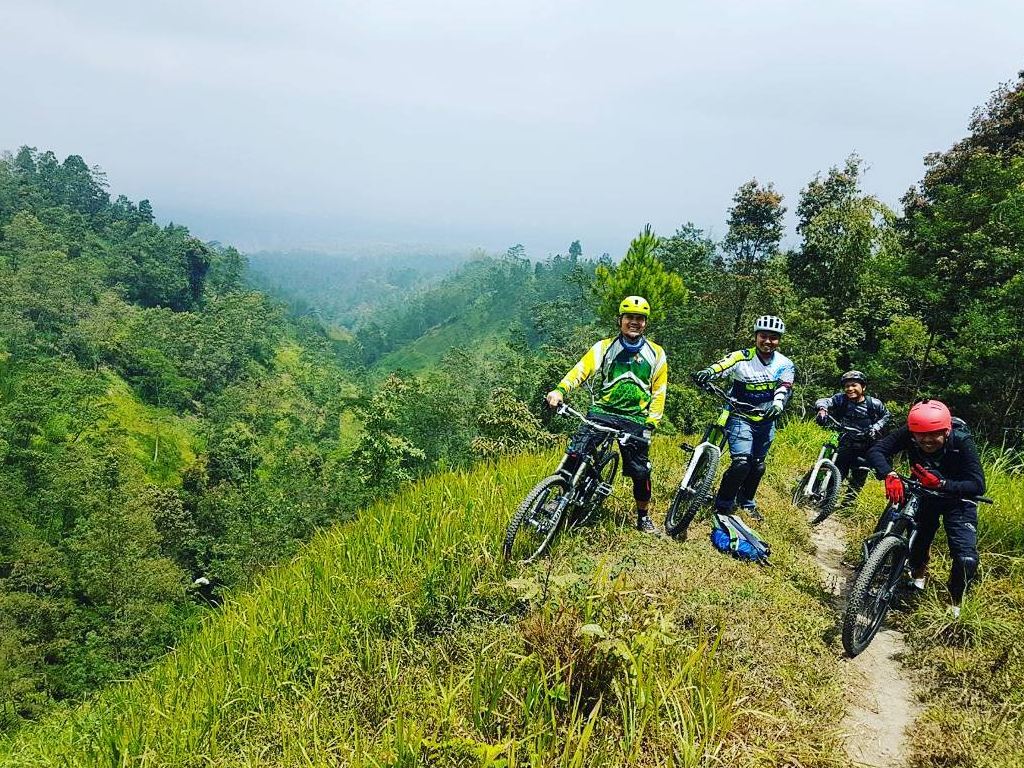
(856, 376)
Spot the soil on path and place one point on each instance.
(882, 704)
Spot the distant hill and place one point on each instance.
(345, 289)
(407, 312)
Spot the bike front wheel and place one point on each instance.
(873, 592)
(821, 499)
(689, 497)
(535, 523)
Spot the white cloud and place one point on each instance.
(567, 119)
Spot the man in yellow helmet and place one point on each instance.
(634, 378)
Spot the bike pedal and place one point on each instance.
(604, 490)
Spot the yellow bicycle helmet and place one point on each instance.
(635, 305)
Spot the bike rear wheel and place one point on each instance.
(688, 498)
(535, 523)
(872, 593)
(823, 497)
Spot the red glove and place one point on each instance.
(894, 489)
(926, 477)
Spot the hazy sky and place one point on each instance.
(316, 123)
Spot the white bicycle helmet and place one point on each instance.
(769, 323)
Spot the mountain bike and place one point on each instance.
(573, 497)
(886, 552)
(695, 487)
(818, 489)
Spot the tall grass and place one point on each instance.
(973, 667)
(409, 567)
(401, 639)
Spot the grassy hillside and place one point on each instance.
(401, 639)
(480, 327)
(162, 442)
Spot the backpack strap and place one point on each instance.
(960, 431)
(875, 408)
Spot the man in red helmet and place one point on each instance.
(943, 457)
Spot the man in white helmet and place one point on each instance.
(633, 375)
(763, 377)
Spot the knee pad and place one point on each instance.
(742, 462)
(752, 481)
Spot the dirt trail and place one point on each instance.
(881, 700)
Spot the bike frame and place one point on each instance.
(827, 454)
(581, 492)
(903, 519)
(592, 462)
(902, 523)
(590, 466)
(693, 490)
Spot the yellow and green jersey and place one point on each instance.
(633, 383)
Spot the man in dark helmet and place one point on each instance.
(864, 417)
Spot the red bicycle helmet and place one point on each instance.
(929, 416)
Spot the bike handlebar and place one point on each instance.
(849, 430)
(917, 487)
(564, 409)
(739, 405)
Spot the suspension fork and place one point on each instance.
(823, 456)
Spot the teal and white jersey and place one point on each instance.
(757, 382)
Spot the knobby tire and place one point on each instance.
(824, 497)
(872, 593)
(523, 523)
(688, 500)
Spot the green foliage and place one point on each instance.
(382, 458)
(843, 232)
(506, 426)
(817, 342)
(157, 422)
(755, 226)
(965, 229)
(906, 357)
(750, 246)
(640, 273)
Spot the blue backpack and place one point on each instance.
(731, 535)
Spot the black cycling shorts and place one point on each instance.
(636, 461)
